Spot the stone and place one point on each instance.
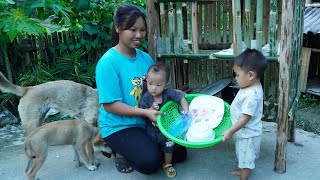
(6, 117)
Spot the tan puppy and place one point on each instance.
(74, 132)
(67, 97)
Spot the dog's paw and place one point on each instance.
(92, 167)
(96, 162)
(78, 163)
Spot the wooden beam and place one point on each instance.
(153, 28)
(284, 80)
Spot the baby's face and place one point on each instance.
(243, 78)
(156, 83)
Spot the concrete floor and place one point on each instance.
(210, 163)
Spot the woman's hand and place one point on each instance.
(152, 114)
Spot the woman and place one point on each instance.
(119, 80)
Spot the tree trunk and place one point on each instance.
(284, 80)
(153, 28)
(7, 62)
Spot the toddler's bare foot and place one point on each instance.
(235, 172)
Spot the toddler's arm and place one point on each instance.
(184, 105)
(236, 127)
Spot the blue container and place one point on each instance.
(180, 125)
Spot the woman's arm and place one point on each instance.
(122, 109)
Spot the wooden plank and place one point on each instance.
(304, 69)
(284, 81)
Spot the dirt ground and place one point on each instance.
(302, 160)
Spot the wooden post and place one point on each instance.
(284, 80)
(153, 28)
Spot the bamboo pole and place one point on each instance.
(218, 22)
(225, 21)
(205, 23)
(214, 22)
(247, 33)
(189, 17)
(210, 19)
(259, 18)
(252, 20)
(180, 26)
(171, 27)
(284, 81)
(195, 34)
(273, 27)
(200, 22)
(230, 38)
(265, 21)
(237, 35)
(163, 28)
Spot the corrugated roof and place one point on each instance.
(312, 19)
(311, 31)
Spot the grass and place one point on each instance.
(308, 114)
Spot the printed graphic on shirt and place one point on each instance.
(137, 90)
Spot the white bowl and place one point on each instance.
(200, 132)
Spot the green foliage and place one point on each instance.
(308, 100)
(72, 66)
(41, 73)
(16, 23)
(85, 33)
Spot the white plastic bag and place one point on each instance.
(209, 109)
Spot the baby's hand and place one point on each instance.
(227, 135)
(155, 105)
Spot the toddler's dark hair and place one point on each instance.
(124, 17)
(160, 66)
(252, 60)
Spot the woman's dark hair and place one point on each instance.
(252, 60)
(124, 17)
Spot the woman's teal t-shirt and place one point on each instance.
(119, 78)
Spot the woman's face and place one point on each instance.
(133, 37)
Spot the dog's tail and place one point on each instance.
(28, 152)
(7, 87)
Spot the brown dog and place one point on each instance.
(78, 133)
(67, 97)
